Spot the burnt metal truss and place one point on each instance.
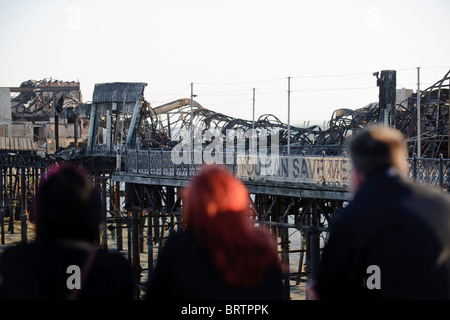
(167, 125)
(434, 119)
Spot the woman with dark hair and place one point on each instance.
(66, 215)
(219, 254)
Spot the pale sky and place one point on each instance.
(227, 48)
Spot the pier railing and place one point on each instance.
(430, 171)
(324, 170)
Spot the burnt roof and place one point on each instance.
(114, 92)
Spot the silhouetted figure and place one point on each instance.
(393, 239)
(63, 262)
(219, 254)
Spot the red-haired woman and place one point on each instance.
(219, 254)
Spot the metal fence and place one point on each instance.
(312, 169)
(325, 170)
(430, 171)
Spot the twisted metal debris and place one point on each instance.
(37, 99)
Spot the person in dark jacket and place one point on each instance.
(63, 262)
(219, 253)
(393, 239)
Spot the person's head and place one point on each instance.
(216, 208)
(67, 206)
(375, 150)
(214, 195)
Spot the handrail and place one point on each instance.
(324, 170)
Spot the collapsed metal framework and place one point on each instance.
(434, 119)
(118, 104)
(170, 123)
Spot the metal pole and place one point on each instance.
(253, 122)
(289, 116)
(56, 125)
(125, 90)
(191, 124)
(23, 212)
(418, 114)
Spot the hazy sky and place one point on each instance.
(226, 48)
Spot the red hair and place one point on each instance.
(216, 208)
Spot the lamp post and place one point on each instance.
(289, 116)
(192, 121)
(253, 123)
(419, 151)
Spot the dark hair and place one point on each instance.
(216, 209)
(67, 205)
(377, 148)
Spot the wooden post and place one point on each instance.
(75, 136)
(315, 241)
(284, 237)
(23, 206)
(2, 212)
(56, 124)
(302, 255)
(307, 222)
(128, 227)
(11, 202)
(141, 223)
(135, 262)
(104, 238)
(119, 224)
(150, 244)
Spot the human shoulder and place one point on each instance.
(178, 242)
(346, 217)
(180, 234)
